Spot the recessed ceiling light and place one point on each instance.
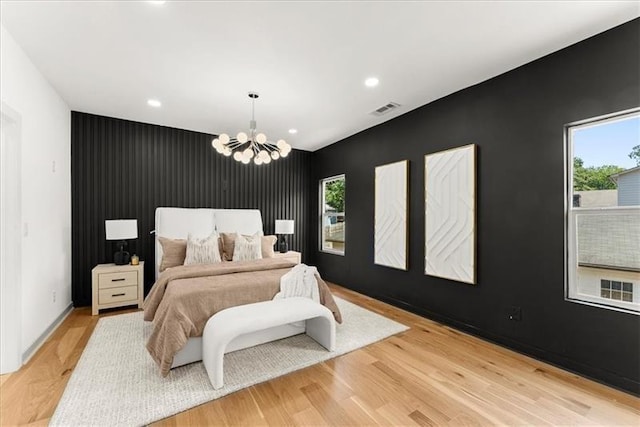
(154, 103)
(371, 82)
(156, 2)
(293, 131)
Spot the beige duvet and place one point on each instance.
(185, 297)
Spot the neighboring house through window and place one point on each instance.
(603, 211)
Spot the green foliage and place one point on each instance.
(593, 178)
(635, 154)
(334, 195)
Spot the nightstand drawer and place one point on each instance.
(108, 296)
(117, 280)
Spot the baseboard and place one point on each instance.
(33, 348)
(599, 375)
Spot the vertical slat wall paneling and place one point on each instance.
(125, 169)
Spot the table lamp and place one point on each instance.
(121, 229)
(283, 227)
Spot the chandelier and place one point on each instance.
(253, 145)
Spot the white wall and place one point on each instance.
(46, 190)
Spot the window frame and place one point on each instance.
(322, 214)
(571, 294)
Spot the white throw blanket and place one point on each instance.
(299, 282)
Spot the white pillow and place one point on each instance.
(202, 250)
(247, 247)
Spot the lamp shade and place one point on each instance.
(284, 226)
(121, 229)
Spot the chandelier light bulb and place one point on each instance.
(248, 153)
(245, 160)
(242, 137)
(261, 138)
(226, 151)
(257, 160)
(275, 155)
(237, 156)
(284, 153)
(224, 138)
(214, 143)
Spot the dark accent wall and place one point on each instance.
(516, 120)
(125, 169)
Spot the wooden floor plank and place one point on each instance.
(429, 375)
(271, 405)
(330, 410)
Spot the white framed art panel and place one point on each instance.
(450, 214)
(390, 218)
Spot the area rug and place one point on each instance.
(117, 383)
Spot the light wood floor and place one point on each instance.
(429, 375)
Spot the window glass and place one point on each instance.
(332, 216)
(603, 211)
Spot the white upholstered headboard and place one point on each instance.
(177, 223)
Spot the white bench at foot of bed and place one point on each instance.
(241, 322)
(192, 350)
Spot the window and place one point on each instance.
(613, 289)
(332, 218)
(603, 211)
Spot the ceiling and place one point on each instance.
(308, 60)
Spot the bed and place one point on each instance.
(241, 277)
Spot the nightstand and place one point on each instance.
(292, 255)
(116, 286)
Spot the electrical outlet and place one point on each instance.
(515, 313)
(54, 296)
